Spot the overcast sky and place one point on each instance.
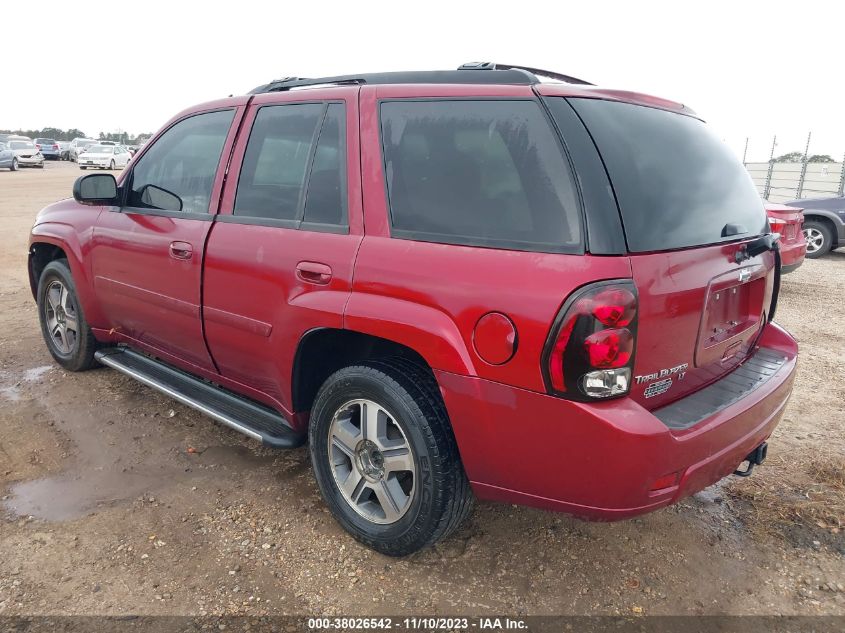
(749, 68)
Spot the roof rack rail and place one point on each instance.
(472, 73)
(533, 71)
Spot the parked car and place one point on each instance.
(8, 160)
(104, 157)
(449, 282)
(49, 148)
(824, 224)
(786, 221)
(26, 153)
(77, 145)
(64, 150)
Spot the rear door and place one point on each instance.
(146, 256)
(280, 255)
(688, 207)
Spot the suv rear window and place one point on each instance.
(479, 173)
(676, 183)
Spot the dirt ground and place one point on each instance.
(105, 510)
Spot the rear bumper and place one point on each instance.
(600, 460)
(792, 256)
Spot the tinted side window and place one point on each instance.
(485, 173)
(276, 161)
(326, 197)
(677, 183)
(183, 163)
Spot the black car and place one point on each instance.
(824, 224)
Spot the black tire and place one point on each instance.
(81, 167)
(442, 497)
(827, 237)
(80, 356)
(14, 166)
(111, 166)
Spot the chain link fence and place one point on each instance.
(783, 181)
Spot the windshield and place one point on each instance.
(98, 149)
(677, 184)
(21, 145)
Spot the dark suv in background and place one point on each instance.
(824, 224)
(446, 282)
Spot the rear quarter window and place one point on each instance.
(677, 184)
(480, 173)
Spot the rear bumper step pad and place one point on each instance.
(749, 376)
(247, 417)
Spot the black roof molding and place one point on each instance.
(472, 73)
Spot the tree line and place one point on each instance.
(797, 157)
(68, 135)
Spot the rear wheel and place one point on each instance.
(63, 324)
(385, 457)
(819, 238)
(81, 167)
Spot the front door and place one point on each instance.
(147, 255)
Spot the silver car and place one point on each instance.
(25, 152)
(8, 160)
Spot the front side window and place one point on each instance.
(480, 173)
(177, 172)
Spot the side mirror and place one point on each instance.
(95, 189)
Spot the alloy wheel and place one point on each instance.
(814, 238)
(62, 317)
(372, 461)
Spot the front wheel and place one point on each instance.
(385, 457)
(63, 325)
(111, 166)
(14, 166)
(819, 238)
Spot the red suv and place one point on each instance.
(447, 282)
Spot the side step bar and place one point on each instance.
(236, 412)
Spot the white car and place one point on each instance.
(25, 152)
(77, 146)
(104, 157)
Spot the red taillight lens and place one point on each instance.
(615, 307)
(591, 347)
(37, 146)
(55, 147)
(609, 348)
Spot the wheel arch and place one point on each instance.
(323, 351)
(52, 241)
(837, 228)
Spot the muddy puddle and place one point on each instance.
(111, 457)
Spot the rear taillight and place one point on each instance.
(777, 225)
(38, 146)
(55, 147)
(591, 347)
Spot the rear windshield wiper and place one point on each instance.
(762, 244)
